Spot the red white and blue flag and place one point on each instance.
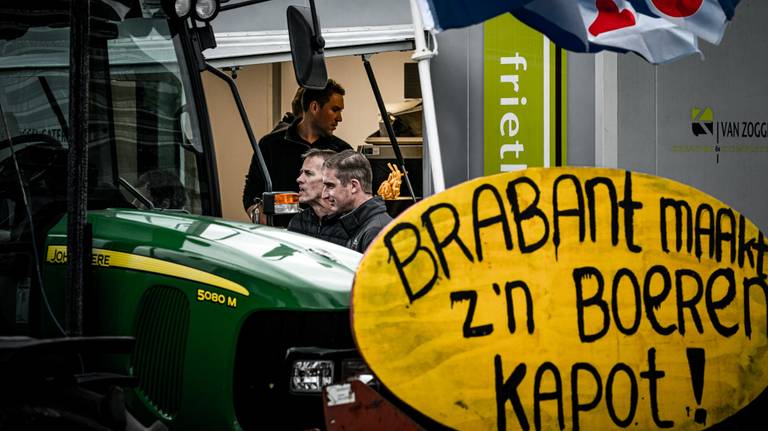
(658, 30)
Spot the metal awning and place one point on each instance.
(257, 33)
(244, 48)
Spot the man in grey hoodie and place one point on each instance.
(348, 179)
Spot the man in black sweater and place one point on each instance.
(318, 220)
(282, 149)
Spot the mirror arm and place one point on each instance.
(317, 37)
(54, 104)
(247, 124)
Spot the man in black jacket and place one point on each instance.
(282, 149)
(347, 178)
(318, 220)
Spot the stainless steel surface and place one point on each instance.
(373, 152)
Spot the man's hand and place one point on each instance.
(256, 213)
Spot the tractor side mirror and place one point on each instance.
(307, 47)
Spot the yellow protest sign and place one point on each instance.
(576, 298)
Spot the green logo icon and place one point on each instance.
(702, 121)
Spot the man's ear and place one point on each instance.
(314, 106)
(356, 186)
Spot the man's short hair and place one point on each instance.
(296, 102)
(321, 96)
(317, 152)
(350, 164)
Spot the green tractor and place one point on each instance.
(204, 323)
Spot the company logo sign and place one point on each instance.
(519, 75)
(702, 121)
(733, 135)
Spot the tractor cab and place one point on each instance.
(147, 147)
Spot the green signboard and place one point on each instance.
(522, 98)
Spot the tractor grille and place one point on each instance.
(262, 369)
(262, 400)
(162, 324)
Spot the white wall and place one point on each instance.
(655, 105)
(233, 150)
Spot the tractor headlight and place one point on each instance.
(206, 10)
(313, 368)
(177, 9)
(182, 8)
(311, 376)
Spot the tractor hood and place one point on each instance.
(270, 267)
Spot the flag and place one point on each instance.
(704, 18)
(658, 30)
(617, 24)
(445, 14)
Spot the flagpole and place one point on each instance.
(422, 55)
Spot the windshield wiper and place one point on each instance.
(136, 194)
(146, 201)
(54, 105)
